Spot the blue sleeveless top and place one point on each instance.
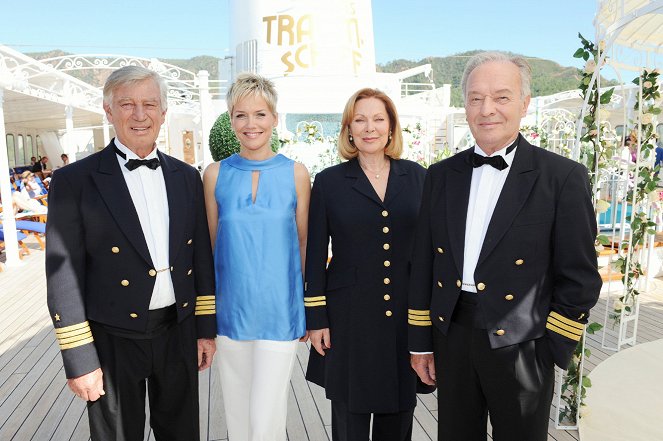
(259, 287)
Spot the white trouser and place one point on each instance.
(255, 380)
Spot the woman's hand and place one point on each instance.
(320, 340)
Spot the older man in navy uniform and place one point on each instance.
(504, 270)
(130, 274)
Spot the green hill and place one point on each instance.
(548, 77)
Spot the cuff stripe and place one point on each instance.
(74, 335)
(205, 305)
(566, 320)
(76, 343)
(420, 322)
(68, 329)
(425, 312)
(315, 299)
(560, 331)
(564, 326)
(311, 304)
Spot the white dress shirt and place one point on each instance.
(486, 187)
(148, 193)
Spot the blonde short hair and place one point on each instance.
(347, 148)
(250, 84)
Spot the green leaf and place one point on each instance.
(603, 239)
(594, 327)
(586, 382)
(585, 56)
(607, 95)
(656, 110)
(579, 53)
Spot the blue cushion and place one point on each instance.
(37, 227)
(19, 235)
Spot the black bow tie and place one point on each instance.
(133, 164)
(496, 161)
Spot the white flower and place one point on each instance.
(602, 45)
(590, 66)
(646, 118)
(605, 114)
(593, 132)
(647, 84)
(602, 206)
(599, 248)
(654, 196)
(286, 135)
(618, 305)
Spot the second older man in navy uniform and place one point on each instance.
(504, 270)
(129, 273)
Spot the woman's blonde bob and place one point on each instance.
(250, 84)
(347, 148)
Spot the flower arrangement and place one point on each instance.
(417, 146)
(574, 390)
(535, 136)
(642, 193)
(598, 148)
(309, 132)
(574, 383)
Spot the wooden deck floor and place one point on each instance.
(35, 403)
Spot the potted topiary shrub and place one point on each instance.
(223, 142)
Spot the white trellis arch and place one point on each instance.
(628, 33)
(183, 85)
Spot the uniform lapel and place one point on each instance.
(361, 181)
(457, 195)
(114, 191)
(517, 188)
(396, 182)
(178, 198)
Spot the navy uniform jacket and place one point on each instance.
(98, 266)
(537, 271)
(362, 295)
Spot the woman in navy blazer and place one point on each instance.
(356, 307)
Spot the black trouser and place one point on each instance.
(349, 426)
(165, 360)
(513, 384)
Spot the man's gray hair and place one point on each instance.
(133, 75)
(499, 57)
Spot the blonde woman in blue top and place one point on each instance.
(257, 208)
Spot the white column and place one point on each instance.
(206, 116)
(69, 147)
(106, 131)
(8, 221)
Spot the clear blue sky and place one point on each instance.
(403, 29)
